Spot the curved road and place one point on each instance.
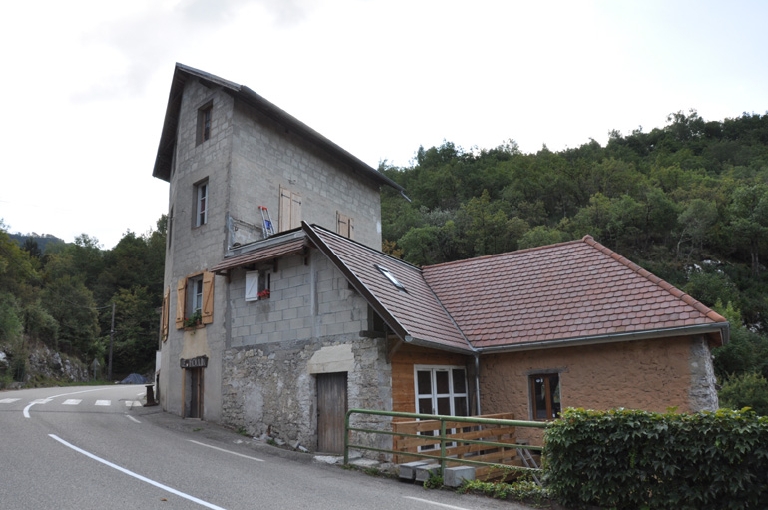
(98, 447)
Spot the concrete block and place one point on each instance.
(455, 476)
(424, 472)
(408, 470)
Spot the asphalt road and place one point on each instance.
(99, 448)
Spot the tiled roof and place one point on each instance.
(413, 313)
(566, 291)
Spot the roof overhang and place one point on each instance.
(263, 251)
(720, 330)
(183, 74)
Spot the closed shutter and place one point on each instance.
(166, 314)
(289, 215)
(351, 224)
(208, 297)
(344, 225)
(284, 214)
(252, 286)
(295, 210)
(181, 301)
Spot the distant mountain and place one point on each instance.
(42, 240)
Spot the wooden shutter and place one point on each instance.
(181, 302)
(284, 212)
(166, 314)
(344, 225)
(295, 210)
(208, 297)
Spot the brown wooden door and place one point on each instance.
(331, 409)
(194, 392)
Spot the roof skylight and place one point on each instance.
(390, 277)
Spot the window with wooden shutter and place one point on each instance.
(289, 214)
(166, 314)
(344, 226)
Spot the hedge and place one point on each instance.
(626, 459)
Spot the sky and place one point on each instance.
(86, 83)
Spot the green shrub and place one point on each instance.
(626, 459)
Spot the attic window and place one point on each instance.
(391, 277)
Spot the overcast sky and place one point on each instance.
(86, 83)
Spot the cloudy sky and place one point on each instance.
(86, 83)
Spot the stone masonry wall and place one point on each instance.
(269, 385)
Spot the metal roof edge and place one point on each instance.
(718, 327)
(359, 286)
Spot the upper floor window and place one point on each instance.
(194, 300)
(289, 215)
(345, 226)
(201, 203)
(204, 116)
(545, 396)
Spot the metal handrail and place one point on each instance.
(443, 438)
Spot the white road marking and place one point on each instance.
(71, 402)
(46, 400)
(137, 476)
(38, 401)
(226, 451)
(9, 400)
(103, 403)
(436, 503)
(132, 403)
(132, 418)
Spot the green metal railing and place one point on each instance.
(443, 437)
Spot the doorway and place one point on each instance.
(331, 411)
(193, 389)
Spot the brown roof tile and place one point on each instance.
(525, 296)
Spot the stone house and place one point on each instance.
(301, 321)
(240, 171)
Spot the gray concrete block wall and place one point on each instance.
(306, 301)
(265, 157)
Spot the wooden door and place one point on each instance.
(331, 410)
(194, 390)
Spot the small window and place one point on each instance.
(257, 285)
(345, 226)
(204, 116)
(194, 300)
(201, 203)
(545, 396)
(390, 277)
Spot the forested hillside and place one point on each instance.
(62, 298)
(688, 202)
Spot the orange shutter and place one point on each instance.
(166, 314)
(181, 301)
(208, 297)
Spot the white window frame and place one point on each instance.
(194, 295)
(255, 283)
(201, 203)
(451, 395)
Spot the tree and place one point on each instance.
(749, 220)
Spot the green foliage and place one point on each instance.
(435, 481)
(518, 490)
(54, 297)
(626, 459)
(746, 390)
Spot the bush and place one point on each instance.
(626, 459)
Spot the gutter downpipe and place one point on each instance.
(477, 382)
